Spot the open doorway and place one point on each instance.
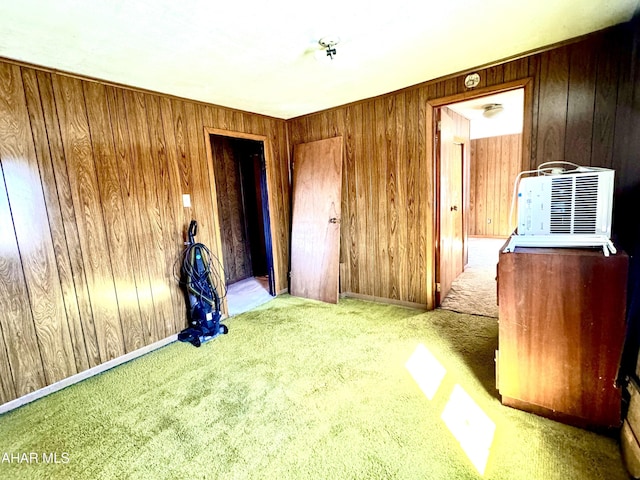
(490, 127)
(243, 212)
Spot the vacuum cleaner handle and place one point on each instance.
(193, 230)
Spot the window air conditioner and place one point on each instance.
(565, 209)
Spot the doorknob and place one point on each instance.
(334, 220)
(454, 208)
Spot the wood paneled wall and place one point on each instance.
(91, 218)
(236, 251)
(386, 226)
(495, 163)
(581, 112)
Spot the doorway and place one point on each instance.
(493, 151)
(243, 210)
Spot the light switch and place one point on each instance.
(186, 200)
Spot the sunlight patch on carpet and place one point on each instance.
(469, 424)
(426, 370)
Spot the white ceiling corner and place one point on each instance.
(260, 56)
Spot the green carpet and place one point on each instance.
(301, 390)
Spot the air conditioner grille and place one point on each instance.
(579, 192)
(586, 204)
(561, 193)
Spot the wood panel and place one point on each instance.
(511, 165)
(412, 165)
(280, 175)
(92, 218)
(55, 214)
(168, 196)
(392, 206)
(375, 276)
(367, 186)
(7, 388)
(115, 219)
(86, 330)
(345, 226)
(85, 190)
(135, 233)
(495, 162)
(30, 225)
(425, 206)
(151, 240)
(492, 180)
(552, 116)
(581, 97)
(26, 369)
(605, 101)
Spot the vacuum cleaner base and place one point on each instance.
(197, 336)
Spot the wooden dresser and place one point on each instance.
(562, 326)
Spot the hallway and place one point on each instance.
(474, 291)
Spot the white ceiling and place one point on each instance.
(260, 55)
(507, 122)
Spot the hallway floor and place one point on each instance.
(475, 290)
(247, 294)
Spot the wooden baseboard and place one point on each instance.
(78, 377)
(390, 301)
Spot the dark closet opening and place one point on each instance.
(243, 209)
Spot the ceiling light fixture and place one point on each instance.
(329, 45)
(492, 109)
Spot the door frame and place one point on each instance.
(270, 187)
(433, 159)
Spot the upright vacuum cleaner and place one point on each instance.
(203, 301)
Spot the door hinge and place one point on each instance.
(439, 125)
(438, 287)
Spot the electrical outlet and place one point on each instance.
(186, 200)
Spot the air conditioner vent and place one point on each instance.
(561, 194)
(586, 204)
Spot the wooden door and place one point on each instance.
(315, 235)
(451, 251)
